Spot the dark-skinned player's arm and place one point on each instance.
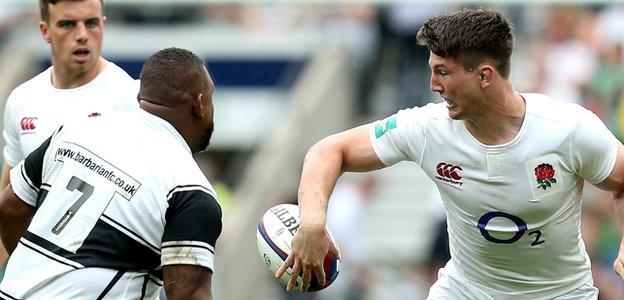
(15, 216)
(327, 160)
(187, 282)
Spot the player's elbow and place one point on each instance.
(327, 150)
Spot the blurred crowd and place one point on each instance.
(574, 53)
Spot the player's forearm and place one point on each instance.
(618, 204)
(322, 166)
(187, 282)
(15, 216)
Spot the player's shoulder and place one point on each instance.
(546, 108)
(38, 84)
(184, 174)
(115, 72)
(430, 111)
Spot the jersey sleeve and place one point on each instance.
(193, 224)
(398, 137)
(593, 149)
(12, 151)
(26, 175)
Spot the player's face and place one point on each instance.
(458, 87)
(74, 31)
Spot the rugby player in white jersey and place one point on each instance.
(509, 166)
(119, 207)
(79, 83)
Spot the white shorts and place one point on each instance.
(452, 287)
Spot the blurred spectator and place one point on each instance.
(610, 25)
(11, 14)
(606, 87)
(347, 206)
(400, 62)
(563, 58)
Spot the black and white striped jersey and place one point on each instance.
(116, 198)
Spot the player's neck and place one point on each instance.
(501, 121)
(65, 78)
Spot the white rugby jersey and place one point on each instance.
(36, 108)
(514, 209)
(117, 197)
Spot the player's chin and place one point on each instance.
(455, 113)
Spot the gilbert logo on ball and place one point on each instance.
(276, 230)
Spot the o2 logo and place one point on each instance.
(522, 228)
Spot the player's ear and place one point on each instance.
(43, 27)
(198, 107)
(486, 75)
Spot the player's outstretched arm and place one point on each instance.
(15, 215)
(187, 282)
(615, 184)
(350, 150)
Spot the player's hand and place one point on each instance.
(308, 250)
(618, 264)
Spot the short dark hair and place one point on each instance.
(44, 8)
(471, 36)
(172, 76)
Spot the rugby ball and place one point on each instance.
(276, 230)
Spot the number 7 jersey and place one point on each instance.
(116, 197)
(513, 209)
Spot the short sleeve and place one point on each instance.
(12, 151)
(398, 137)
(593, 149)
(193, 224)
(26, 175)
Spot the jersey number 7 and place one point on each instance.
(74, 183)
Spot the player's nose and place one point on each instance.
(435, 85)
(81, 32)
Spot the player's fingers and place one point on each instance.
(287, 263)
(320, 274)
(618, 267)
(305, 279)
(333, 249)
(293, 276)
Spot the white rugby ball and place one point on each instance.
(275, 233)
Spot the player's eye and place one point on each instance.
(65, 24)
(92, 23)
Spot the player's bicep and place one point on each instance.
(615, 180)
(193, 224)
(187, 282)
(357, 152)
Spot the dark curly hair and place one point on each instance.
(471, 36)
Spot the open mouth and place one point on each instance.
(81, 53)
(449, 102)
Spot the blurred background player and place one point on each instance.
(79, 76)
(79, 83)
(501, 160)
(111, 218)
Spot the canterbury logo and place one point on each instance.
(28, 123)
(449, 171)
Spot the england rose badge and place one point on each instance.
(545, 176)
